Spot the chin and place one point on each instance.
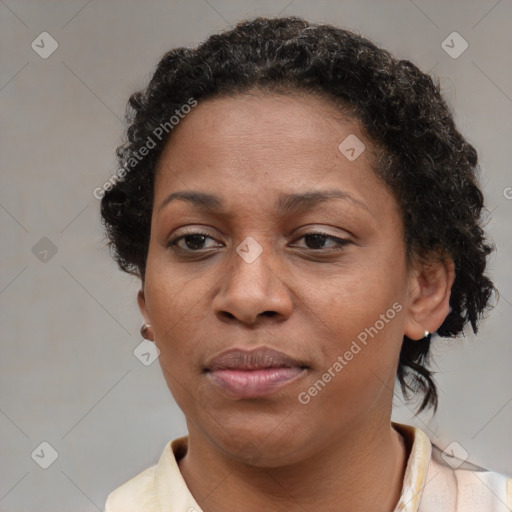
(265, 447)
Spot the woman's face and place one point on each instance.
(300, 251)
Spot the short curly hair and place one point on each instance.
(428, 165)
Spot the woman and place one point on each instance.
(304, 218)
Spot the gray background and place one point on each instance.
(69, 320)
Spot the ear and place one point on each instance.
(429, 296)
(141, 301)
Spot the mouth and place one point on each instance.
(255, 373)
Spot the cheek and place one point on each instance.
(174, 301)
(358, 360)
(352, 298)
(174, 312)
(359, 317)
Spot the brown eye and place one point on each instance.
(193, 242)
(316, 241)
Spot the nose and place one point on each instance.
(253, 289)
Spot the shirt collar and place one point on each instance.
(417, 467)
(170, 487)
(173, 493)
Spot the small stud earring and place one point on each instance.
(143, 330)
(426, 334)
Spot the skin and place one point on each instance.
(300, 296)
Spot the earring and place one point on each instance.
(143, 330)
(426, 334)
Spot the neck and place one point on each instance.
(362, 470)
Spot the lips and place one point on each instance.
(252, 374)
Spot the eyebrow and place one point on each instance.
(287, 204)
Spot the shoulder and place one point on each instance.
(135, 495)
(158, 488)
(145, 491)
(457, 485)
(444, 481)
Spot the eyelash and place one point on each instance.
(341, 242)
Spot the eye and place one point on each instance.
(317, 240)
(193, 241)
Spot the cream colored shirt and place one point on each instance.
(432, 483)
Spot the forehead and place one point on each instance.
(273, 111)
(251, 144)
(253, 118)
